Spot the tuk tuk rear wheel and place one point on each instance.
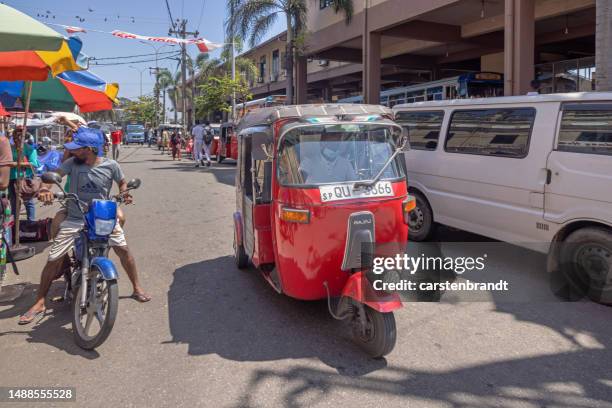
(378, 338)
(240, 257)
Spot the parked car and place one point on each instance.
(535, 171)
(134, 133)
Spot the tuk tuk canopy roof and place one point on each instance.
(266, 116)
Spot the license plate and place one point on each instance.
(337, 192)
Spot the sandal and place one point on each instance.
(141, 297)
(29, 316)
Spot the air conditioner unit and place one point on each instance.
(260, 80)
(273, 77)
(323, 63)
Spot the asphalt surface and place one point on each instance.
(215, 336)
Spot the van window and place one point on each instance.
(586, 130)
(491, 132)
(423, 128)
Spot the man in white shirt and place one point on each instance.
(198, 140)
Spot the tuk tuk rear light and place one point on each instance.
(295, 215)
(408, 205)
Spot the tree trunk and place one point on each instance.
(603, 41)
(289, 63)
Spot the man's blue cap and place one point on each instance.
(85, 137)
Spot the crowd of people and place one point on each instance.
(197, 144)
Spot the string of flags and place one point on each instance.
(203, 44)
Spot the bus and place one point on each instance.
(467, 86)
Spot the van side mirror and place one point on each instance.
(262, 146)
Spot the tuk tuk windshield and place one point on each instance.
(338, 153)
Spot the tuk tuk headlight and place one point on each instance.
(295, 215)
(408, 205)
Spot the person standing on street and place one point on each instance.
(116, 137)
(198, 140)
(176, 141)
(208, 139)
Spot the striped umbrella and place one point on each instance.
(29, 50)
(81, 88)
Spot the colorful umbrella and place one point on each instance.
(81, 88)
(29, 50)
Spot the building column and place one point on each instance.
(301, 83)
(519, 46)
(371, 67)
(603, 43)
(327, 92)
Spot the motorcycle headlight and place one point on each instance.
(104, 227)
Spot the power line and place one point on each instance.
(201, 14)
(137, 62)
(170, 15)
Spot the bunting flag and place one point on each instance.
(203, 44)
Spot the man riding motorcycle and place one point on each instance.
(91, 178)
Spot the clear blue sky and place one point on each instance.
(150, 17)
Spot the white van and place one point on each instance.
(534, 171)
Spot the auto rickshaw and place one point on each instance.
(314, 184)
(225, 145)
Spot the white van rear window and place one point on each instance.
(586, 131)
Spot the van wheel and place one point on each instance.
(586, 263)
(420, 221)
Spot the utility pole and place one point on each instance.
(233, 40)
(183, 33)
(140, 71)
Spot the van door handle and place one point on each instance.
(548, 176)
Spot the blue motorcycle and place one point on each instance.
(91, 279)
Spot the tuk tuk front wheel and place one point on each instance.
(377, 337)
(240, 257)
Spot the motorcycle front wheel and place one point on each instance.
(92, 324)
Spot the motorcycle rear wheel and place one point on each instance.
(103, 311)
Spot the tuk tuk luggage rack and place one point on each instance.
(266, 116)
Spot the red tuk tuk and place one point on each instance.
(225, 144)
(314, 183)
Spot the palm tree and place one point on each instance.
(166, 84)
(254, 18)
(603, 37)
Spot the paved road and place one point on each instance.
(215, 336)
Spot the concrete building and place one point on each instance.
(391, 43)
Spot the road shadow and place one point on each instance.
(54, 329)
(215, 308)
(560, 380)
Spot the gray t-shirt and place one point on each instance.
(90, 183)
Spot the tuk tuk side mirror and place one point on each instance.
(262, 146)
(404, 143)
